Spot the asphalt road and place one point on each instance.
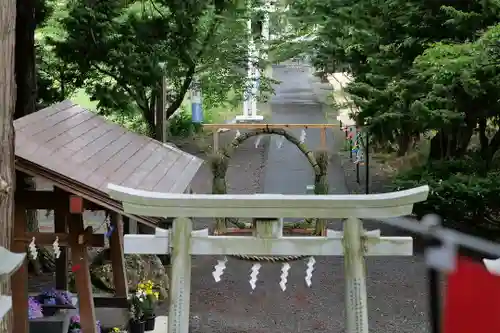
(396, 286)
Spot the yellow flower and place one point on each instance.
(157, 295)
(116, 329)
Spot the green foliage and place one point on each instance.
(461, 192)
(423, 67)
(418, 65)
(119, 51)
(180, 125)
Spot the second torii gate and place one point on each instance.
(353, 243)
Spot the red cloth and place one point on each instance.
(472, 299)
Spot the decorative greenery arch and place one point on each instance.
(220, 163)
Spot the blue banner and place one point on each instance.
(196, 113)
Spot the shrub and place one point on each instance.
(181, 125)
(461, 192)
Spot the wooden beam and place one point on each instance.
(91, 195)
(111, 302)
(260, 126)
(19, 280)
(46, 238)
(61, 226)
(48, 200)
(81, 268)
(39, 199)
(296, 246)
(269, 205)
(117, 256)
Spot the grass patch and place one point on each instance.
(225, 112)
(81, 98)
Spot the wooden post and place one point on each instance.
(19, 280)
(216, 141)
(323, 138)
(117, 256)
(161, 121)
(126, 225)
(268, 228)
(355, 276)
(180, 286)
(133, 227)
(61, 212)
(81, 268)
(367, 163)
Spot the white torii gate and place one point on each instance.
(353, 243)
(9, 263)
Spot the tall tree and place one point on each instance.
(28, 13)
(7, 108)
(377, 41)
(123, 49)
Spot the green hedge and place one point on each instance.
(465, 195)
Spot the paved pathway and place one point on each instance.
(296, 103)
(396, 286)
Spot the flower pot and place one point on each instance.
(149, 323)
(136, 326)
(49, 311)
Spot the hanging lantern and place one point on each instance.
(196, 103)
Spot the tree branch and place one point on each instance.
(188, 78)
(138, 99)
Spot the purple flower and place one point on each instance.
(34, 308)
(75, 324)
(110, 231)
(49, 301)
(61, 297)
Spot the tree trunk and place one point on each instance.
(25, 73)
(439, 145)
(179, 97)
(404, 140)
(7, 107)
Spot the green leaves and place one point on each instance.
(461, 192)
(121, 50)
(418, 65)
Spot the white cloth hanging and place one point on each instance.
(257, 141)
(303, 136)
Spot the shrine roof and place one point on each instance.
(81, 152)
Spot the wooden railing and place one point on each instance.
(354, 243)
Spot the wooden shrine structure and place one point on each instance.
(80, 152)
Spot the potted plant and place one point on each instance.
(149, 300)
(76, 327)
(136, 322)
(53, 300)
